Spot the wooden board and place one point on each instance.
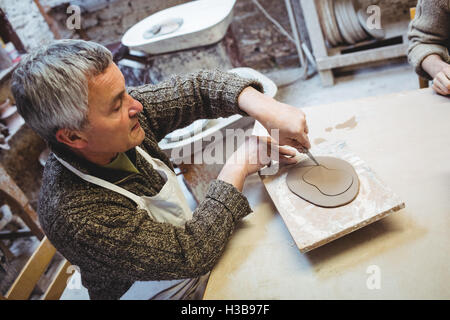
(312, 226)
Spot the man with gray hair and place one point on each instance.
(110, 202)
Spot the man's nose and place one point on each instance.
(135, 109)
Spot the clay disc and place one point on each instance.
(333, 184)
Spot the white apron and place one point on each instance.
(169, 205)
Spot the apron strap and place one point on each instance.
(102, 183)
(152, 161)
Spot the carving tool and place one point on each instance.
(311, 156)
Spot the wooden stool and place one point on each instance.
(35, 267)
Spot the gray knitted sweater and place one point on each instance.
(429, 33)
(103, 233)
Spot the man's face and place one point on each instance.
(113, 114)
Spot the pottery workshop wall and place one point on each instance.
(391, 10)
(27, 22)
(252, 39)
(258, 42)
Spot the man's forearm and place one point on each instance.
(255, 103)
(180, 100)
(233, 174)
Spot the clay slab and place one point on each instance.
(311, 226)
(332, 184)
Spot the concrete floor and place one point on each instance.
(394, 76)
(387, 78)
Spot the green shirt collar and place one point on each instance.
(109, 174)
(122, 162)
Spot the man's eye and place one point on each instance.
(118, 107)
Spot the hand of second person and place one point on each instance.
(439, 70)
(441, 82)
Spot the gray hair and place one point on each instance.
(50, 85)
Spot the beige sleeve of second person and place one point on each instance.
(429, 33)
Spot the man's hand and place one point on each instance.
(439, 71)
(290, 121)
(251, 156)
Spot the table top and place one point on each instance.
(404, 137)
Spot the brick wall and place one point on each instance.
(27, 21)
(259, 44)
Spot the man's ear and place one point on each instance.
(71, 138)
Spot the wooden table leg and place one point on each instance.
(423, 83)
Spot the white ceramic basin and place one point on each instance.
(189, 25)
(202, 130)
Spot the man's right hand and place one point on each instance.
(439, 71)
(251, 156)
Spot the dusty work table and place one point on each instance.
(405, 139)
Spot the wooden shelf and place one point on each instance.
(393, 30)
(394, 45)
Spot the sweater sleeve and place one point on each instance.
(180, 100)
(126, 244)
(429, 33)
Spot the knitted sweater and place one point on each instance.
(429, 33)
(103, 233)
